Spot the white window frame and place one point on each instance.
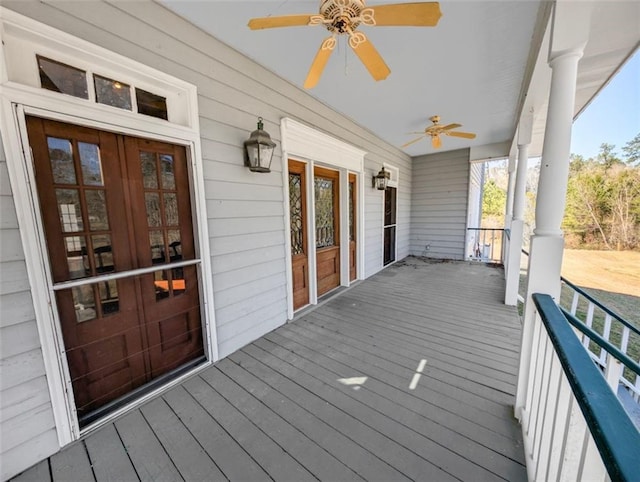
(315, 148)
(22, 37)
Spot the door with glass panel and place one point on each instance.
(352, 227)
(327, 222)
(389, 225)
(298, 217)
(117, 219)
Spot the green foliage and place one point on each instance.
(603, 200)
(493, 199)
(632, 151)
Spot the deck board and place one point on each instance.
(108, 456)
(72, 463)
(232, 459)
(280, 408)
(461, 419)
(188, 456)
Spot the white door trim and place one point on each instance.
(306, 144)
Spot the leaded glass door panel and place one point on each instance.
(352, 227)
(298, 217)
(327, 222)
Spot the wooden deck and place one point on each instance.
(328, 396)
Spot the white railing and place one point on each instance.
(610, 326)
(487, 244)
(574, 427)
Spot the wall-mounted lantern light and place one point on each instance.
(259, 149)
(381, 180)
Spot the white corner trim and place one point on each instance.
(309, 143)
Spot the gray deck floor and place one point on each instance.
(327, 397)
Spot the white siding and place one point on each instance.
(27, 432)
(245, 210)
(439, 204)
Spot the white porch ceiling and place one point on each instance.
(470, 69)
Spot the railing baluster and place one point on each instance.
(591, 466)
(542, 402)
(535, 364)
(589, 323)
(573, 443)
(613, 371)
(574, 303)
(606, 334)
(549, 417)
(560, 416)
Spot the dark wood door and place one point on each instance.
(102, 214)
(389, 225)
(298, 216)
(327, 226)
(352, 227)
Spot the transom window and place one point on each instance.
(67, 79)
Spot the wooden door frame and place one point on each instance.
(305, 144)
(19, 99)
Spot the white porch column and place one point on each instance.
(547, 243)
(511, 168)
(512, 274)
(570, 32)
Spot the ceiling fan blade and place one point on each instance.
(319, 62)
(436, 142)
(411, 142)
(450, 126)
(466, 135)
(424, 14)
(282, 21)
(369, 56)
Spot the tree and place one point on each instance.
(603, 202)
(632, 151)
(493, 199)
(607, 155)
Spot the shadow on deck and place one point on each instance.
(336, 395)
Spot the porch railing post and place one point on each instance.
(512, 275)
(547, 244)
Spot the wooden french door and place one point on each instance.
(389, 225)
(111, 205)
(298, 216)
(352, 227)
(327, 227)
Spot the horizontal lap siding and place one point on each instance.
(439, 200)
(27, 431)
(245, 210)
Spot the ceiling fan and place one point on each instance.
(342, 17)
(436, 130)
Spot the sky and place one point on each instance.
(613, 116)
